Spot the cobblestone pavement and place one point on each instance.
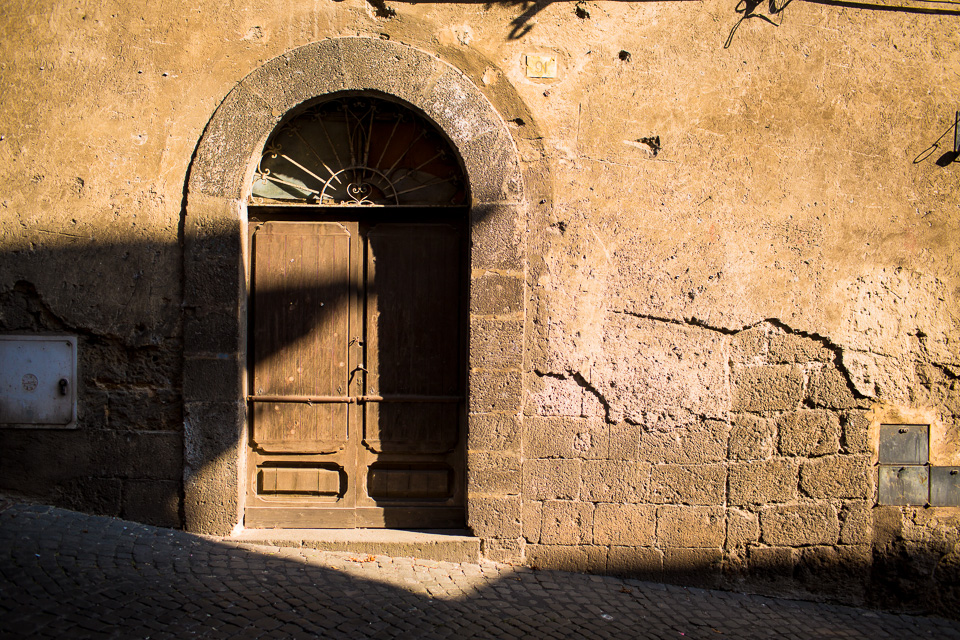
(68, 575)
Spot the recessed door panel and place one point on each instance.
(301, 307)
(357, 401)
(413, 325)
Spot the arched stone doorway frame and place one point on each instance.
(215, 278)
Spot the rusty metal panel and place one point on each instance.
(945, 486)
(299, 480)
(904, 443)
(38, 381)
(904, 485)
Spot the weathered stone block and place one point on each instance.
(133, 454)
(799, 524)
(837, 477)
(856, 523)
(403, 71)
(495, 294)
(752, 438)
(532, 512)
(704, 484)
(856, 432)
(566, 522)
(772, 561)
(624, 441)
(495, 391)
(809, 433)
(551, 479)
(92, 407)
(625, 524)
(564, 438)
(235, 134)
(822, 569)
(643, 563)
(496, 343)
(888, 525)
(567, 558)
(502, 549)
(214, 332)
(494, 473)
(829, 389)
(763, 482)
(215, 284)
(145, 409)
(611, 481)
(767, 388)
(553, 396)
(681, 526)
(214, 432)
(318, 68)
(494, 517)
(211, 230)
(749, 346)
(154, 502)
(490, 159)
(98, 495)
(692, 441)
(494, 432)
(743, 528)
(790, 347)
(211, 379)
(693, 567)
(497, 231)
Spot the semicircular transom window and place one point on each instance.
(358, 150)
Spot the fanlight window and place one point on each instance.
(358, 151)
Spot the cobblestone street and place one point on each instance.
(68, 575)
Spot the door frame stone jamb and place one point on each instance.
(215, 279)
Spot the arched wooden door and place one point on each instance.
(358, 259)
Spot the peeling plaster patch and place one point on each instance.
(650, 370)
(877, 376)
(893, 322)
(648, 364)
(896, 312)
(253, 33)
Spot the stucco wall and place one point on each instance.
(715, 326)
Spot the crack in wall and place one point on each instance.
(582, 382)
(777, 343)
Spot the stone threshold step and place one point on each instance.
(450, 545)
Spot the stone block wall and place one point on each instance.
(775, 492)
(125, 458)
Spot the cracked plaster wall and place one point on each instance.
(790, 202)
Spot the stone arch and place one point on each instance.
(215, 280)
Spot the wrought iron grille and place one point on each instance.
(358, 151)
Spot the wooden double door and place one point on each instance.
(356, 405)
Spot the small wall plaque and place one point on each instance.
(541, 66)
